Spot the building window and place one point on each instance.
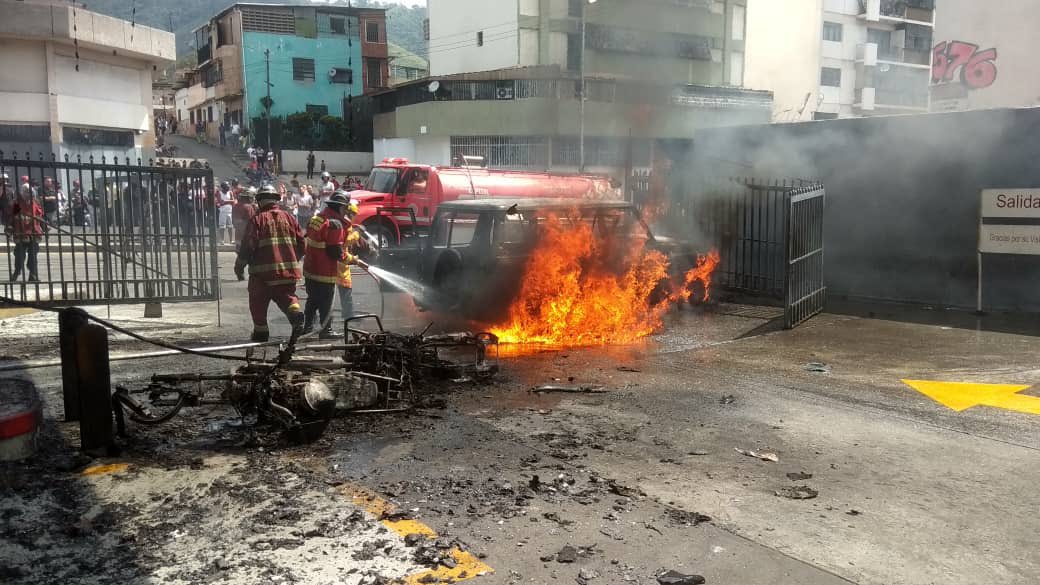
(372, 32)
(302, 69)
(881, 38)
(209, 114)
(343, 75)
(737, 25)
(375, 72)
(824, 116)
(832, 31)
(317, 109)
(480, 39)
(503, 152)
(574, 8)
(830, 76)
(193, 117)
(573, 52)
(24, 133)
(338, 25)
(96, 137)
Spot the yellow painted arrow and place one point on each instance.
(964, 395)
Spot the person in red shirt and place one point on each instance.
(269, 248)
(326, 236)
(26, 229)
(243, 212)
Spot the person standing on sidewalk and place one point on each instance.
(50, 202)
(304, 205)
(269, 248)
(227, 205)
(26, 229)
(326, 236)
(310, 165)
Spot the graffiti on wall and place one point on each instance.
(964, 63)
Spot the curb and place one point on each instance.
(21, 415)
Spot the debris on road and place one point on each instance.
(628, 369)
(763, 455)
(818, 368)
(853, 512)
(547, 388)
(684, 518)
(798, 492)
(698, 452)
(727, 399)
(677, 578)
(799, 476)
(567, 554)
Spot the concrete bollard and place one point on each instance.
(95, 390)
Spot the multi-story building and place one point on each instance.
(77, 82)
(506, 83)
(841, 58)
(979, 57)
(260, 59)
(685, 41)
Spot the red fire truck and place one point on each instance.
(399, 198)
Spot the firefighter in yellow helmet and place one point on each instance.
(353, 246)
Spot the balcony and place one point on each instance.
(867, 54)
(904, 56)
(917, 11)
(901, 99)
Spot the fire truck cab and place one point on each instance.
(400, 198)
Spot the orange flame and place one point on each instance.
(571, 296)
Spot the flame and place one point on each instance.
(571, 295)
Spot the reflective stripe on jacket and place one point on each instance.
(269, 247)
(324, 230)
(351, 245)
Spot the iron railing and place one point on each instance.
(115, 232)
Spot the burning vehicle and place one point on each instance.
(558, 270)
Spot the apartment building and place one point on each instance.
(254, 59)
(981, 58)
(506, 83)
(74, 82)
(841, 58)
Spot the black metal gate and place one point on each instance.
(113, 233)
(805, 293)
(769, 234)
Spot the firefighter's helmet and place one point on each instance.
(268, 193)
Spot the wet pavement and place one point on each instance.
(908, 490)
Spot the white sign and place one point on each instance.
(1009, 239)
(1011, 203)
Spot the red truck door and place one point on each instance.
(415, 191)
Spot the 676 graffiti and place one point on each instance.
(978, 69)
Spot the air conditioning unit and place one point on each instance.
(505, 91)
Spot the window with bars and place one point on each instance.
(503, 152)
(338, 25)
(832, 31)
(302, 69)
(375, 72)
(372, 32)
(269, 21)
(98, 137)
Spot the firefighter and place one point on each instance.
(26, 229)
(355, 245)
(326, 239)
(269, 247)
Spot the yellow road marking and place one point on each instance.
(8, 313)
(105, 469)
(467, 565)
(961, 396)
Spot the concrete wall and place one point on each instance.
(902, 197)
(1003, 26)
(23, 81)
(453, 35)
(783, 54)
(292, 96)
(394, 148)
(295, 161)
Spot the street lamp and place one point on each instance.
(581, 93)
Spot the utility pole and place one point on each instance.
(581, 96)
(267, 105)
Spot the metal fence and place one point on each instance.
(769, 234)
(114, 232)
